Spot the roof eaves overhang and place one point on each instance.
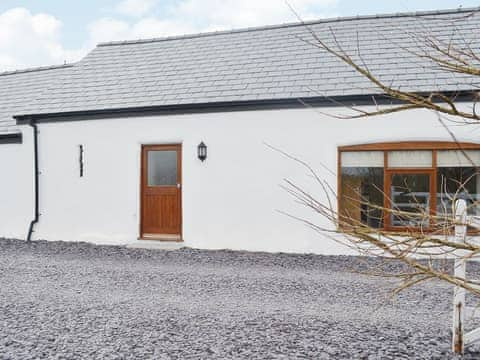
(224, 106)
(11, 138)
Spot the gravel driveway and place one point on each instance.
(80, 301)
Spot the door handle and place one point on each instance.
(179, 186)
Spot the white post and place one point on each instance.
(459, 271)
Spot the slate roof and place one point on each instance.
(20, 89)
(273, 62)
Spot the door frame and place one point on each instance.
(143, 150)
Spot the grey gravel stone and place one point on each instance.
(80, 301)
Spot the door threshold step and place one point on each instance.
(162, 237)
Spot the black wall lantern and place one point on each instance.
(202, 151)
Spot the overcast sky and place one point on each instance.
(46, 32)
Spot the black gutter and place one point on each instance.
(227, 106)
(36, 178)
(222, 106)
(15, 138)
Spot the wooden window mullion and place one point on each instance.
(433, 188)
(386, 192)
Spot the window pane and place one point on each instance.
(410, 194)
(162, 168)
(409, 159)
(451, 181)
(362, 159)
(467, 158)
(362, 196)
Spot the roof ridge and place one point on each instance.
(459, 10)
(35, 69)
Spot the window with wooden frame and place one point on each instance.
(406, 185)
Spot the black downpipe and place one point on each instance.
(36, 177)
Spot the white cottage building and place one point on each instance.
(170, 139)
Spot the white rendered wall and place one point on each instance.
(16, 187)
(229, 201)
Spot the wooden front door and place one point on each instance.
(161, 198)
